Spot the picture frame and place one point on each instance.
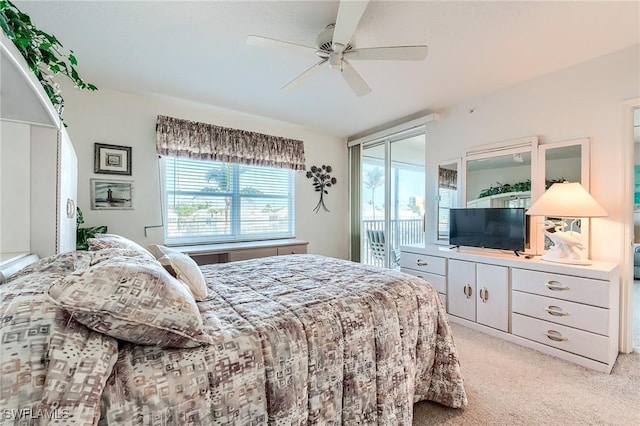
(112, 159)
(111, 194)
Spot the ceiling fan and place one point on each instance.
(334, 46)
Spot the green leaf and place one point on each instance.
(41, 50)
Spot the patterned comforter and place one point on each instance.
(298, 339)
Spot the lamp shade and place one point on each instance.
(568, 199)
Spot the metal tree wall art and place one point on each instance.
(321, 181)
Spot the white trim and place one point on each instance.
(626, 263)
(29, 123)
(503, 148)
(393, 131)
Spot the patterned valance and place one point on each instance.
(183, 138)
(448, 179)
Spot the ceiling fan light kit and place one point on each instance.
(334, 45)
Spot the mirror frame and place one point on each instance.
(584, 181)
(460, 190)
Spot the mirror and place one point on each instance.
(501, 181)
(565, 161)
(503, 175)
(447, 196)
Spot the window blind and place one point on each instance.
(212, 201)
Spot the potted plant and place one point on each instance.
(83, 234)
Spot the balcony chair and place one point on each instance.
(376, 244)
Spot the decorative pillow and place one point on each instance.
(132, 299)
(62, 262)
(182, 267)
(101, 255)
(103, 241)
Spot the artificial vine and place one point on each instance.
(42, 52)
(504, 188)
(516, 187)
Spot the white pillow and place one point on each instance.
(183, 267)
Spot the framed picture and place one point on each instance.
(112, 159)
(109, 194)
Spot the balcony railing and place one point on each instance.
(402, 232)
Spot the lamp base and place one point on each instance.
(566, 247)
(565, 260)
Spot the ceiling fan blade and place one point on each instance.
(358, 85)
(255, 40)
(349, 14)
(391, 53)
(296, 82)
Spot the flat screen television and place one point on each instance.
(496, 228)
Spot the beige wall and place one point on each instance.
(118, 118)
(580, 101)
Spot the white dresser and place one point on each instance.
(567, 311)
(430, 268)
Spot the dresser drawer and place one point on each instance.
(569, 339)
(296, 249)
(421, 262)
(585, 317)
(565, 287)
(439, 282)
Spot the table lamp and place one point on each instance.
(567, 200)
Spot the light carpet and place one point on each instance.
(508, 384)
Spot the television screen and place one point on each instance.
(497, 228)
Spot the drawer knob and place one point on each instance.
(421, 262)
(555, 336)
(293, 252)
(556, 286)
(556, 311)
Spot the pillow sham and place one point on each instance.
(103, 241)
(58, 263)
(183, 267)
(132, 299)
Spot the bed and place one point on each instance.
(300, 339)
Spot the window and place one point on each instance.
(211, 201)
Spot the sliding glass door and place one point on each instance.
(392, 198)
(373, 202)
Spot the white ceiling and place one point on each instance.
(197, 51)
